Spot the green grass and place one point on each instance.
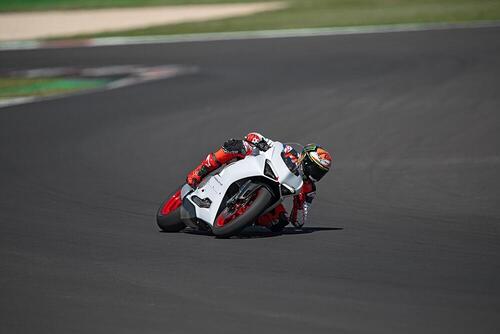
(21, 87)
(32, 5)
(337, 13)
(300, 14)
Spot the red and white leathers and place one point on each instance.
(235, 149)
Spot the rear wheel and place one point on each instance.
(232, 220)
(169, 214)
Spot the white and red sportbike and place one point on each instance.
(233, 198)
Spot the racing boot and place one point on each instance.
(232, 149)
(206, 166)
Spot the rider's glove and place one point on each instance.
(257, 140)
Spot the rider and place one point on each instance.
(314, 163)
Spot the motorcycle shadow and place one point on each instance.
(255, 232)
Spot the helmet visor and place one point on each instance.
(312, 169)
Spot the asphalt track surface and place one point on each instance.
(404, 236)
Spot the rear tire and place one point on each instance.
(235, 226)
(171, 222)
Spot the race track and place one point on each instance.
(404, 236)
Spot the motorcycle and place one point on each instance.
(233, 198)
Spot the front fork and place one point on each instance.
(243, 193)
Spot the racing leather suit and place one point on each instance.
(235, 149)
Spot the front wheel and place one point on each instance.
(231, 221)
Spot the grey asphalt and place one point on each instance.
(404, 236)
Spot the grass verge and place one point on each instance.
(335, 13)
(23, 87)
(300, 14)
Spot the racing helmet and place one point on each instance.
(316, 161)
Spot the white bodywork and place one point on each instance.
(216, 186)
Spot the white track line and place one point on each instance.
(243, 35)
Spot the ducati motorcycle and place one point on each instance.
(233, 197)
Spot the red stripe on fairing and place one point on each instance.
(173, 203)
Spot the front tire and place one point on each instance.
(252, 211)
